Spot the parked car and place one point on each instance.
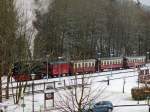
(102, 106)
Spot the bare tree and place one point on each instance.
(13, 39)
(8, 27)
(80, 93)
(78, 96)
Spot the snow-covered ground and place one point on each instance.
(113, 92)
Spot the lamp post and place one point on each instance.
(33, 77)
(124, 82)
(59, 71)
(98, 59)
(47, 67)
(138, 81)
(111, 55)
(107, 80)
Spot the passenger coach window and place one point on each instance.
(109, 62)
(117, 61)
(93, 64)
(82, 64)
(114, 62)
(106, 62)
(89, 64)
(85, 64)
(79, 65)
(103, 62)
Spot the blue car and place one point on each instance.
(102, 106)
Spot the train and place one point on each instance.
(75, 67)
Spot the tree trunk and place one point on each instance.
(1, 74)
(7, 87)
(0, 87)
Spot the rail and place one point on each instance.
(99, 75)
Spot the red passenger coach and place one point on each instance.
(83, 66)
(110, 63)
(136, 61)
(59, 68)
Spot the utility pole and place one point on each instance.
(98, 61)
(33, 77)
(111, 55)
(47, 67)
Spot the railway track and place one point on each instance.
(53, 81)
(98, 74)
(40, 87)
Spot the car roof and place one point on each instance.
(103, 102)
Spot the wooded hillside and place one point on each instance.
(72, 27)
